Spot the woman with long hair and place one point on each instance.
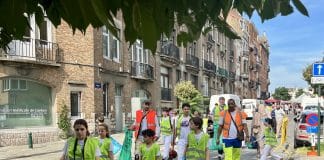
(81, 146)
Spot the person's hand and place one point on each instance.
(131, 127)
(217, 141)
(156, 138)
(247, 139)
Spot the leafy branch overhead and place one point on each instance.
(145, 20)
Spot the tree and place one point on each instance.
(187, 93)
(281, 93)
(145, 20)
(307, 75)
(64, 122)
(299, 92)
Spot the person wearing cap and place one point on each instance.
(146, 118)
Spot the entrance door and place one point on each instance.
(118, 108)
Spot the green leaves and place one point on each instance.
(145, 20)
(301, 8)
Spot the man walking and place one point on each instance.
(232, 123)
(146, 118)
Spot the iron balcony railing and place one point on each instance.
(142, 70)
(170, 50)
(32, 50)
(222, 72)
(192, 60)
(210, 66)
(166, 94)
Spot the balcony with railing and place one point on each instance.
(222, 72)
(170, 52)
(192, 60)
(32, 51)
(209, 66)
(166, 94)
(141, 71)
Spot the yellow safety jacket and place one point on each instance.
(270, 137)
(104, 148)
(197, 149)
(166, 126)
(217, 111)
(149, 153)
(87, 153)
(179, 121)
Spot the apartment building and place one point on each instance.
(97, 73)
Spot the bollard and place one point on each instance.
(30, 140)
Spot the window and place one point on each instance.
(110, 45)
(75, 103)
(139, 54)
(191, 49)
(185, 76)
(164, 77)
(14, 84)
(206, 86)
(43, 31)
(178, 76)
(194, 80)
(118, 90)
(105, 99)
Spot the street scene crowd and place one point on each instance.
(188, 134)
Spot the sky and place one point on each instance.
(295, 42)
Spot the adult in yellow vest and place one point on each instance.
(104, 142)
(231, 123)
(197, 148)
(219, 107)
(182, 130)
(81, 146)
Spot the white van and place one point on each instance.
(249, 105)
(214, 99)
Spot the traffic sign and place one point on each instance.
(311, 129)
(312, 119)
(317, 80)
(318, 70)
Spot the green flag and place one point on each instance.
(127, 146)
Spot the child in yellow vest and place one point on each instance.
(270, 139)
(197, 147)
(166, 131)
(149, 150)
(105, 144)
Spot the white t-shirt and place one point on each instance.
(279, 113)
(81, 143)
(232, 131)
(184, 128)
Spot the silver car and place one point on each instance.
(302, 138)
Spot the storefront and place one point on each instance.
(24, 103)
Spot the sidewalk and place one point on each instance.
(43, 151)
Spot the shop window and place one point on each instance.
(22, 107)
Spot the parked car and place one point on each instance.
(301, 137)
(313, 108)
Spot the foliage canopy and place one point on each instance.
(281, 93)
(187, 93)
(145, 20)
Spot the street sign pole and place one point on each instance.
(319, 122)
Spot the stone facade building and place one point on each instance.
(96, 73)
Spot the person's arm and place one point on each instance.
(220, 128)
(110, 151)
(245, 127)
(207, 154)
(98, 153)
(157, 127)
(65, 151)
